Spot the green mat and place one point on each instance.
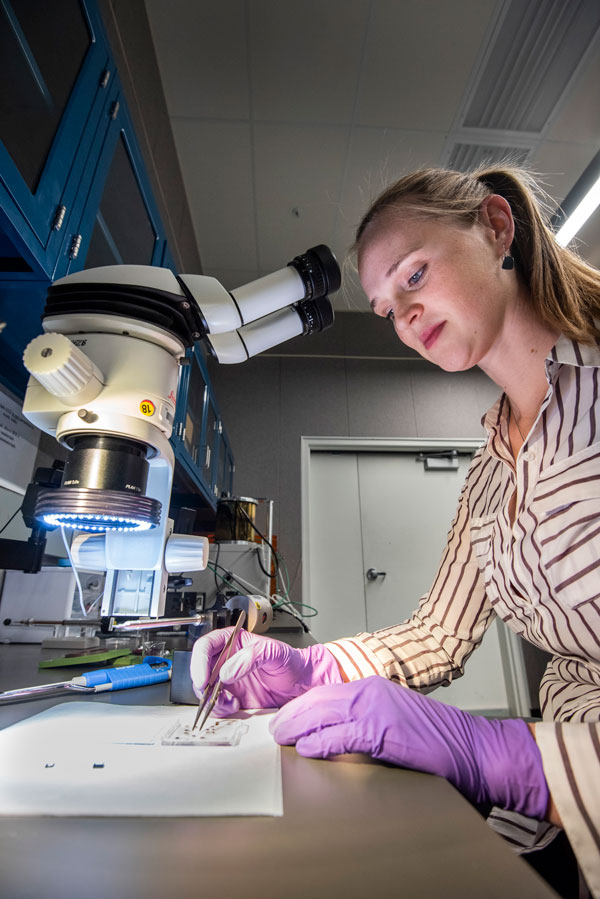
(118, 656)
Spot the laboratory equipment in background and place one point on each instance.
(236, 519)
(233, 569)
(242, 567)
(103, 383)
(29, 555)
(43, 609)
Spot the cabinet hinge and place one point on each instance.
(115, 109)
(59, 218)
(105, 78)
(75, 244)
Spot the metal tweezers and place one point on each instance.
(214, 685)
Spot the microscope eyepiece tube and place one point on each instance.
(268, 294)
(309, 276)
(261, 335)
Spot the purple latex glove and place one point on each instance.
(261, 673)
(489, 761)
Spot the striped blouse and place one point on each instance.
(541, 575)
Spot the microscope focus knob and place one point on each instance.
(63, 369)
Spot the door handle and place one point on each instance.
(372, 575)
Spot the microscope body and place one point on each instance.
(125, 399)
(104, 378)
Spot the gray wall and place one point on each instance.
(355, 380)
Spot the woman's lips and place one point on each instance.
(429, 337)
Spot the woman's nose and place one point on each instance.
(406, 316)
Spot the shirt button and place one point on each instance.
(529, 456)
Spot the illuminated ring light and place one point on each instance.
(85, 509)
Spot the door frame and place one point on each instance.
(510, 646)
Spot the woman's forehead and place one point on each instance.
(392, 234)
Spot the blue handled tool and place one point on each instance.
(152, 670)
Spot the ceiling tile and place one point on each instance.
(201, 50)
(305, 58)
(577, 115)
(298, 182)
(376, 158)
(559, 165)
(282, 236)
(412, 46)
(378, 86)
(215, 160)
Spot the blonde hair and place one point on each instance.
(564, 289)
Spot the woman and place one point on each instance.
(468, 273)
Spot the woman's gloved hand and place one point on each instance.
(261, 673)
(489, 761)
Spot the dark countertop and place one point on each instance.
(351, 830)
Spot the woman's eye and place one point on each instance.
(390, 315)
(414, 279)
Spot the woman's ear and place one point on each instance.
(495, 213)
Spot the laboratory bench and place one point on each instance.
(350, 828)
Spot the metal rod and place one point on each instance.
(34, 622)
(148, 624)
(42, 691)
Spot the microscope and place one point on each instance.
(103, 382)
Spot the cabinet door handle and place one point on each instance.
(372, 575)
(76, 243)
(59, 218)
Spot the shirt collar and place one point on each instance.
(495, 421)
(569, 352)
(564, 352)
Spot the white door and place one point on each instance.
(384, 511)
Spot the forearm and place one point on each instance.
(419, 653)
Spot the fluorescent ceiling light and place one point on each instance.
(580, 215)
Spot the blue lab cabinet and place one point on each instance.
(74, 194)
(199, 439)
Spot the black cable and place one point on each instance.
(297, 617)
(231, 577)
(260, 564)
(4, 526)
(264, 539)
